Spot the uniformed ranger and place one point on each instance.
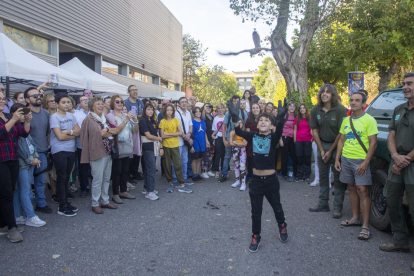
(401, 171)
(326, 120)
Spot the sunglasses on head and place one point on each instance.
(35, 96)
(119, 101)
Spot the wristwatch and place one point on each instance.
(107, 129)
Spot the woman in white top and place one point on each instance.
(219, 148)
(246, 96)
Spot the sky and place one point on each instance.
(219, 29)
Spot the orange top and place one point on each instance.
(238, 139)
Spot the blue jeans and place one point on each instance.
(39, 182)
(22, 195)
(226, 163)
(184, 162)
(150, 169)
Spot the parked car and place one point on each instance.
(382, 108)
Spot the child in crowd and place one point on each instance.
(207, 161)
(170, 129)
(239, 158)
(264, 182)
(303, 143)
(28, 161)
(200, 143)
(218, 139)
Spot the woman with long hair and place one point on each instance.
(207, 161)
(247, 98)
(217, 139)
(200, 144)
(239, 158)
(49, 103)
(287, 144)
(269, 108)
(151, 148)
(303, 143)
(251, 125)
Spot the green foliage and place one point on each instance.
(267, 80)
(193, 58)
(280, 93)
(215, 85)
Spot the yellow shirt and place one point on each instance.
(170, 127)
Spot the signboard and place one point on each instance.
(53, 80)
(355, 82)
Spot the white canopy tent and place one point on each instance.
(172, 96)
(25, 69)
(94, 81)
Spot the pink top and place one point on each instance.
(288, 128)
(303, 132)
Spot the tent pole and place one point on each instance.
(7, 87)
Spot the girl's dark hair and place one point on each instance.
(16, 95)
(331, 89)
(152, 118)
(195, 109)
(16, 106)
(60, 96)
(250, 118)
(300, 114)
(250, 98)
(164, 111)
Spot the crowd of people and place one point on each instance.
(48, 138)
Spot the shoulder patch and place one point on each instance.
(318, 117)
(397, 117)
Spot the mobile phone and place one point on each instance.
(134, 110)
(25, 110)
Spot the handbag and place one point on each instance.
(356, 135)
(115, 148)
(125, 148)
(186, 143)
(49, 164)
(218, 130)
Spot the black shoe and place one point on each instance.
(73, 208)
(84, 194)
(283, 235)
(254, 246)
(222, 179)
(55, 199)
(70, 196)
(319, 208)
(140, 176)
(66, 211)
(44, 210)
(197, 179)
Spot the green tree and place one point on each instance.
(215, 85)
(194, 56)
(267, 80)
(309, 14)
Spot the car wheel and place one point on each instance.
(379, 217)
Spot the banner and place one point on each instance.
(355, 82)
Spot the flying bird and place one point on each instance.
(257, 48)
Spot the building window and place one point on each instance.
(164, 83)
(241, 87)
(241, 80)
(249, 79)
(27, 41)
(171, 86)
(110, 67)
(248, 87)
(148, 79)
(136, 75)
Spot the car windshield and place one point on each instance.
(386, 103)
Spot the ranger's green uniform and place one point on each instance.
(328, 124)
(402, 122)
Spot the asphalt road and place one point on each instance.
(204, 233)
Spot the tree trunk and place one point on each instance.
(386, 73)
(293, 61)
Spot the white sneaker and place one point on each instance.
(204, 175)
(20, 220)
(314, 183)
(35, 222)
(210, 173)
(151, 196)
(145, 192)
(73, 188)
(243, 187)
(130, 186)
(236, 184)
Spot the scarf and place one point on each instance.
(108, 143)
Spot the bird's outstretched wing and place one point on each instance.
(235, 53)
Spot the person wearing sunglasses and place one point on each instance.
(401, 171)
(40, 131)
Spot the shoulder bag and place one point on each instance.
(186, 143)
(356, 135)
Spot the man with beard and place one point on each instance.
(401, 171)
(326, 121)
(39, 133)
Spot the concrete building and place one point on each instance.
(131, 41)
(244, 79)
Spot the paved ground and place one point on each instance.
(204, 233)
